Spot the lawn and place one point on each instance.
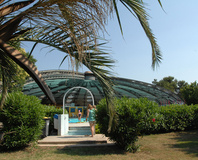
(169, 146)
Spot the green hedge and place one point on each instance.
(24, 115)
(50, 111)
(136, 117)
(131, 117)
(177, 118)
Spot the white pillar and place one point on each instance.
(63, 124)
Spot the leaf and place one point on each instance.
(14, 7)
(118, 17)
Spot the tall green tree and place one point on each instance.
(170, 83)
(71, 27)
(189, 93)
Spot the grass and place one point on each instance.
(169, 146)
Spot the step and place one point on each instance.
(79, 132)
(72, 140)
(77, 137)
(80, 128)
(77, 145)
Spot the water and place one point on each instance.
(75, 120)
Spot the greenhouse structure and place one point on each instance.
(60, 81)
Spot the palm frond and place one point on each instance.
(4, 2)
(7, 29)
(72, 26)
(160, 3)
(8, 71)
(117, 13)
(14, 7)
(137, 8)
(63, 60)
(35, 44)
(93, 55)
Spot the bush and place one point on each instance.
(132, 116)
(178, 117)
(24, 115)
(195, 121)
(50, 111)
(136, 117)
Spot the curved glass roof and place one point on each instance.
(60, 81)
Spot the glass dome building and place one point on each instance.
(60, 81)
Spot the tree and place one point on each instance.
(72, 27)
(182, 84)
(190, 93)
(170, 83)
(18, 79)
(167, 82)
(11, 74)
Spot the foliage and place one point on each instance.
(21, 75)
(170, 83)
(131, 117)
(13, 77)
(71, 27)
(97, 130)
(136, 117)
(19, 78)
(167, 82)
(50, 111)
(190, 93)
(22, 115)
(177, 118)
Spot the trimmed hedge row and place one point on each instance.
(136, 117)
(177, 118)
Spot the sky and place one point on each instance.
(176, 32)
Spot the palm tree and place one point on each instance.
(8, 71)
(58, 17)
(137, 8)
(70, 26)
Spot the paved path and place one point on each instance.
(76, 140)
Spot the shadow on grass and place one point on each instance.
(90, 151)
(187, 141)
(11, 150)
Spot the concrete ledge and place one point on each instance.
(76, 145)
(73, 142)
(79, 140)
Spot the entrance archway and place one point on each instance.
(75, 88)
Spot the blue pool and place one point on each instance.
(75, 120)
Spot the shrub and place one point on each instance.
(24, 115)
(97, 130)
(195, 120)
(136, 117)
(178, 117)
(50, 111)
(132, 117)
